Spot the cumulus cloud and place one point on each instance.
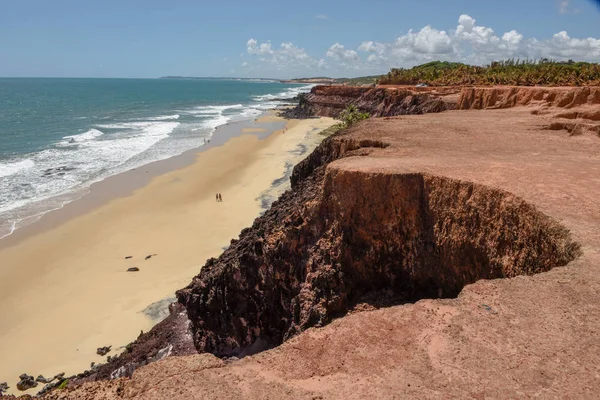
(468, 41)
(474, 43)
(288, 55)
(339, 52)
(427, 41)
(561, 46)
(377, 51)
(254, 48)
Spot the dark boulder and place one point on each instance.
(102, 351)
(26, 382)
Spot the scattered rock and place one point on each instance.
(92, 364)
(128, 257)
(41, 379)
(58, 376)
(149, 256)
(51, 386)
(57, 171)
(3, 387)
(133, 269)
(26, 382)
(102, 351)
(124, 371)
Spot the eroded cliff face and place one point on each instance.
(384, 101)
(329, 101)
(343, 237)
(506, 97)
(582, 103)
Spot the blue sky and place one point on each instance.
(151, 38)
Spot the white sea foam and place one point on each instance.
(59, 170)
(48, 179)
(288, 94)
(207, 110)
(14, 167)
(82, 137)
(164, 117)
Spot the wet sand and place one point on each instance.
(64, 289)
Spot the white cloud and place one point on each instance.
(564, 7)
(339, 52)
(254, 48)
(468, 42)
(287, 56)
(321, 16)
(377, 51)
(474, 43)
(477, 35)
(290, 50)
(427, 41)
(513, 37)
(561, 46)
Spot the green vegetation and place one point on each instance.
(351, 115)
(63, 384)
(362, 80)
(331, 130)
(508, 72)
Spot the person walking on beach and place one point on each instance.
(217, 197)
(220, 198)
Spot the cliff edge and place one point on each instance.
(450, 254)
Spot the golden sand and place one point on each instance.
(65, 291)
(253, 130)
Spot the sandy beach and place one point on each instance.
(64, 289)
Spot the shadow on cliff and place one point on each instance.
(346, 236)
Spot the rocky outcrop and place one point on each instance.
(384, 101)
(582, 114)
(343, 237)
(26, 382)
(329, 101)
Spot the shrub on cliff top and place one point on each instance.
(352, 115)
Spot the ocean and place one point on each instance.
(58, 136)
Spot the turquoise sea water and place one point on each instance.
(57, 136)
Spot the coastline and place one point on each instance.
(66, 291)
(125, 183)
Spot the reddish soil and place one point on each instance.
(473, 195)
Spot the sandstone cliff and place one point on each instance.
(329, 101)
(507, 97)
(384, 101)
(392, 211)
(343, 237)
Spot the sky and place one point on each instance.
(283, 38)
